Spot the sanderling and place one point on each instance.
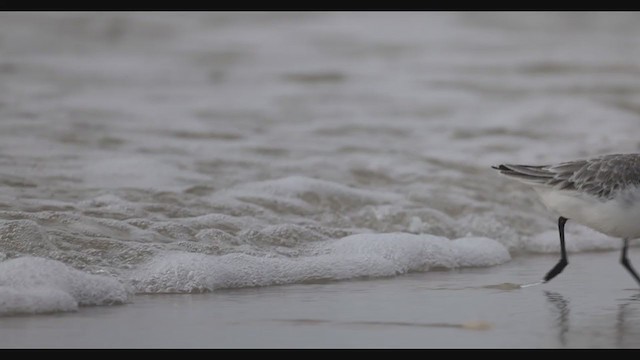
(602, 193)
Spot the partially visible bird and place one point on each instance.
(602, 193)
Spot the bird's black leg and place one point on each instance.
(563, 261)
(625, 261)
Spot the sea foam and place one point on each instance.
(37, 285)
(578, 238)
(354, 256)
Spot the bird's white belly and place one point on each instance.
(618, 217)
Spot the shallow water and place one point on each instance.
(193, 152)
(594, 303)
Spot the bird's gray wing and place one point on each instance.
(600, 177)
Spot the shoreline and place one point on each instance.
(594, 303)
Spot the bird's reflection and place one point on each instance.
(561, 307)
(626, 329)
(625, 311)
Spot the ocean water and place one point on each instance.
(153, 153)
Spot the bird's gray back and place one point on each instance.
(601, 177)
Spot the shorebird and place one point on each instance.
(602, 193)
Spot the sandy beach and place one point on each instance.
(593, 304)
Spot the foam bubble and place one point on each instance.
(38, 285)
(354, 256)
(578, 238)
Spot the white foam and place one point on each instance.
(355, 256)
(38, 285)
(578, 238)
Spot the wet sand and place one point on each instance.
(594, 303)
